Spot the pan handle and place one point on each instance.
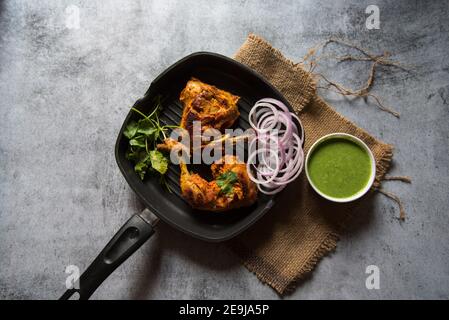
(135, 232)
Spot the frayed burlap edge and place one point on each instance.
(304, 87)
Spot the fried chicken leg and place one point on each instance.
(231, 187)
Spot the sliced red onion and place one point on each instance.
(250, 160)
(254, 114)
(280, 153)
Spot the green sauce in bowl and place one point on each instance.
(340, 167)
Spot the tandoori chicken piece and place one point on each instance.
(231, 187)
(215, 108)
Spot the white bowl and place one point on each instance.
(361, 144)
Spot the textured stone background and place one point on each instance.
(64, 93)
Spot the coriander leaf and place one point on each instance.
(141, 168)
(132, 155)
(136, 155)
(146, 127)
(138, 141)
(130, 130)
(158, 161)
(226, 181)
(143, 136)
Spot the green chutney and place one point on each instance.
(339, 168)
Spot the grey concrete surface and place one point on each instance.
(64, 93)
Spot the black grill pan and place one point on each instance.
(211, 68)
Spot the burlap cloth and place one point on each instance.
(301, 228)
